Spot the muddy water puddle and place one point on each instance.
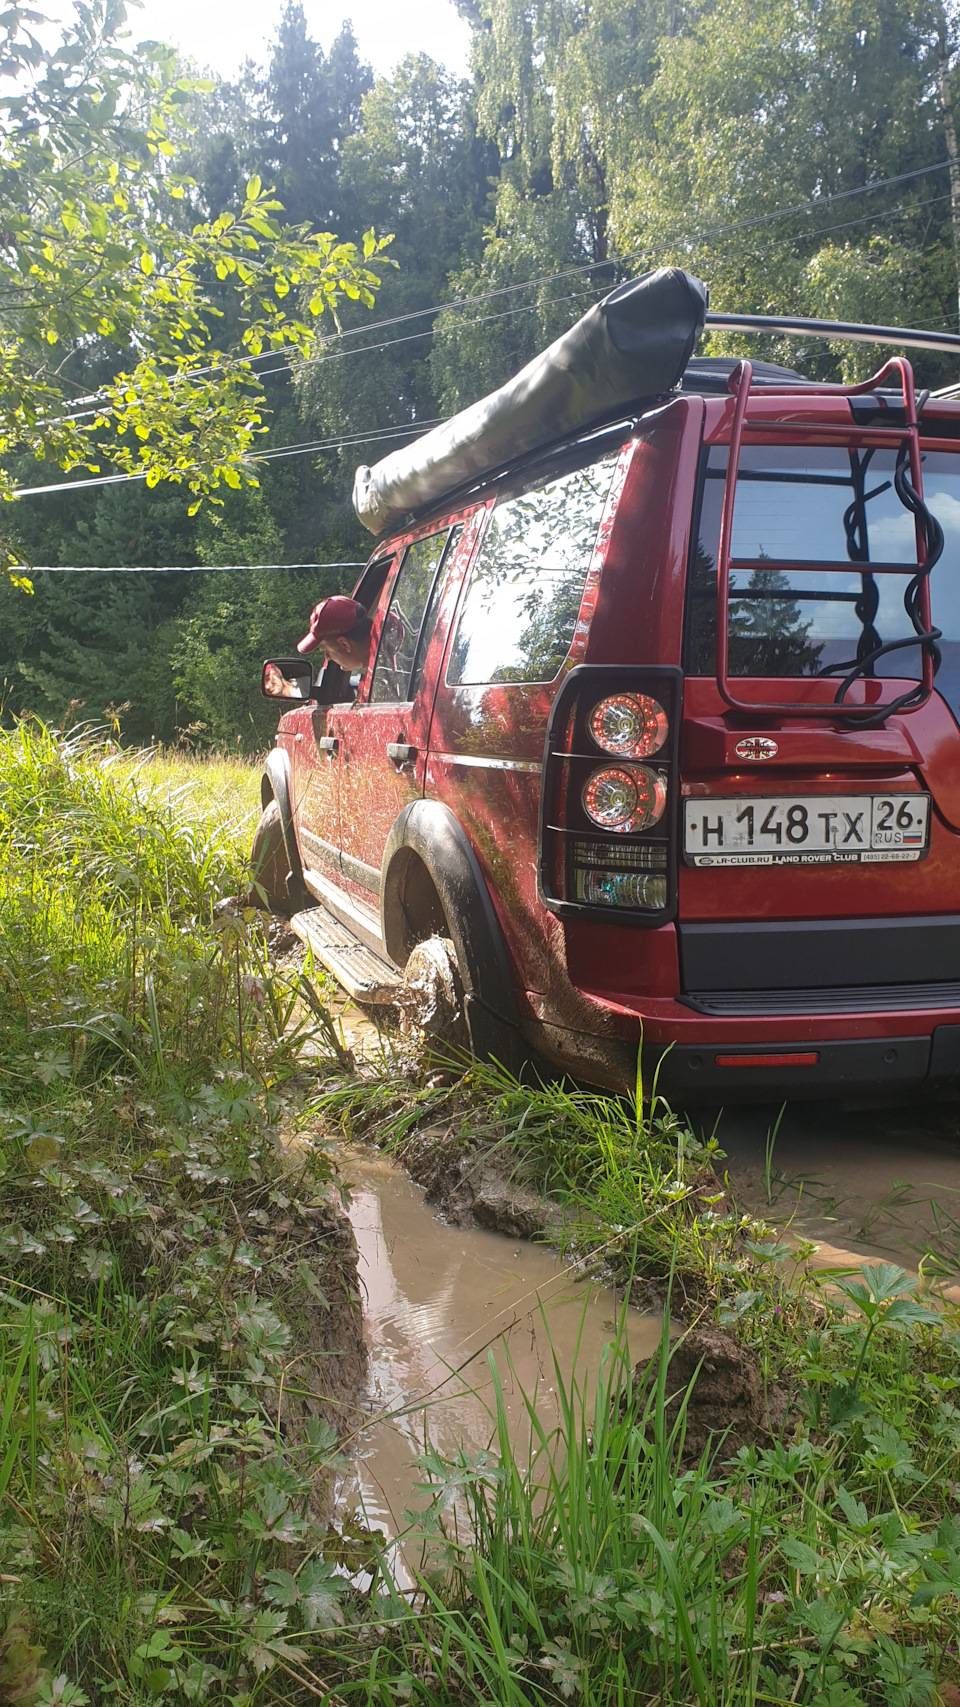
(435, 1298)
(885, 1183)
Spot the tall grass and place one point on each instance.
(169, 1275)
(159, 1246)
(605, 1565)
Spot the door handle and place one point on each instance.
(400, 753)
(328, 744)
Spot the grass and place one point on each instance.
(613, 1570)
(170, 1284)
(222, 790)
(159, 1245)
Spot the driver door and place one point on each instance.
(383, 739)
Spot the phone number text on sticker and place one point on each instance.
(818, 829)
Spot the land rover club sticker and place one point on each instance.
(756, 747)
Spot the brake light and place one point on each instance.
(608, 832)
(629, 725)
(625, 801)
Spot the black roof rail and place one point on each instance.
(904, 337)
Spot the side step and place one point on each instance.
(364, 976)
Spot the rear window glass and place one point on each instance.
(821, 506)
(520, 609)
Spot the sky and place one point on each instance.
(220, 34)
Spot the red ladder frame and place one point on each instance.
(739, 383)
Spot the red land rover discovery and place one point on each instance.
(660, 729)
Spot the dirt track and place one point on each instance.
(882, 1181)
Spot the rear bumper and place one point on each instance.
(833, 1067)
(734, 1069)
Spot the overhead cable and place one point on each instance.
(166, 568)
(378, 436)
(584, 267)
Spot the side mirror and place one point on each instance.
(287, 678)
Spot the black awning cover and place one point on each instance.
(634, 344)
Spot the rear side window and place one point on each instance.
(836, 508)
(410, 619)
(520, 609)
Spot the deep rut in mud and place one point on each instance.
(435, 1298)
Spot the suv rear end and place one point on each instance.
(808, 941)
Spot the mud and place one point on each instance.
(326, 1323)
(728, 1405)
(462, 1182)
(877, 1183)
(439, 1299)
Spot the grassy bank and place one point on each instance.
(160, 1247)
(170, 1318)
(809, 1553)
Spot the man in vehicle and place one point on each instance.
(279, 686)
(342, 628)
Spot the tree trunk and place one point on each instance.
(950, 134)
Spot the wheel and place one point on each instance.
(431, 999)
(269, 865)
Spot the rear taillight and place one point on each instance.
(608, 830)
(624, 799)
(630, 725)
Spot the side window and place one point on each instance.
(336, 686)
(520, 610)
(408, 624)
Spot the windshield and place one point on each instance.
(822, 506)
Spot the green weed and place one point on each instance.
(170, 1288)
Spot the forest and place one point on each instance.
(801, 158)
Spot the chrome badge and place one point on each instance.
(756, 747)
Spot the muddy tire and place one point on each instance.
(269, 865)
(431, 1001)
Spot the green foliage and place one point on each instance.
(85, 151)
(159, 1461)
(229, 625)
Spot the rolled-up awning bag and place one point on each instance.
(634, 344)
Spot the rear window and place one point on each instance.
(821, 506)
(520, 610)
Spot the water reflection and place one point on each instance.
(435, 1298)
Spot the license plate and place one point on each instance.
(806, 829)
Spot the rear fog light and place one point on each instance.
(808, 1059)
(620, 875)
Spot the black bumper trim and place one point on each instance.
(844, 1066)
(820, 953)
(855, 999)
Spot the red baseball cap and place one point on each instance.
(330, 617)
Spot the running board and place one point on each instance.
(364, 976)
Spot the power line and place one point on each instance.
(585, 267)
(167, 568)
(379, 436)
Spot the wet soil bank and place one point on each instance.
(472, 1190)
(324, 1310)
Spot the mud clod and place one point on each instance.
(728, 1406)
(471, 1193)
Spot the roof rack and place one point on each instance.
(905, 337)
